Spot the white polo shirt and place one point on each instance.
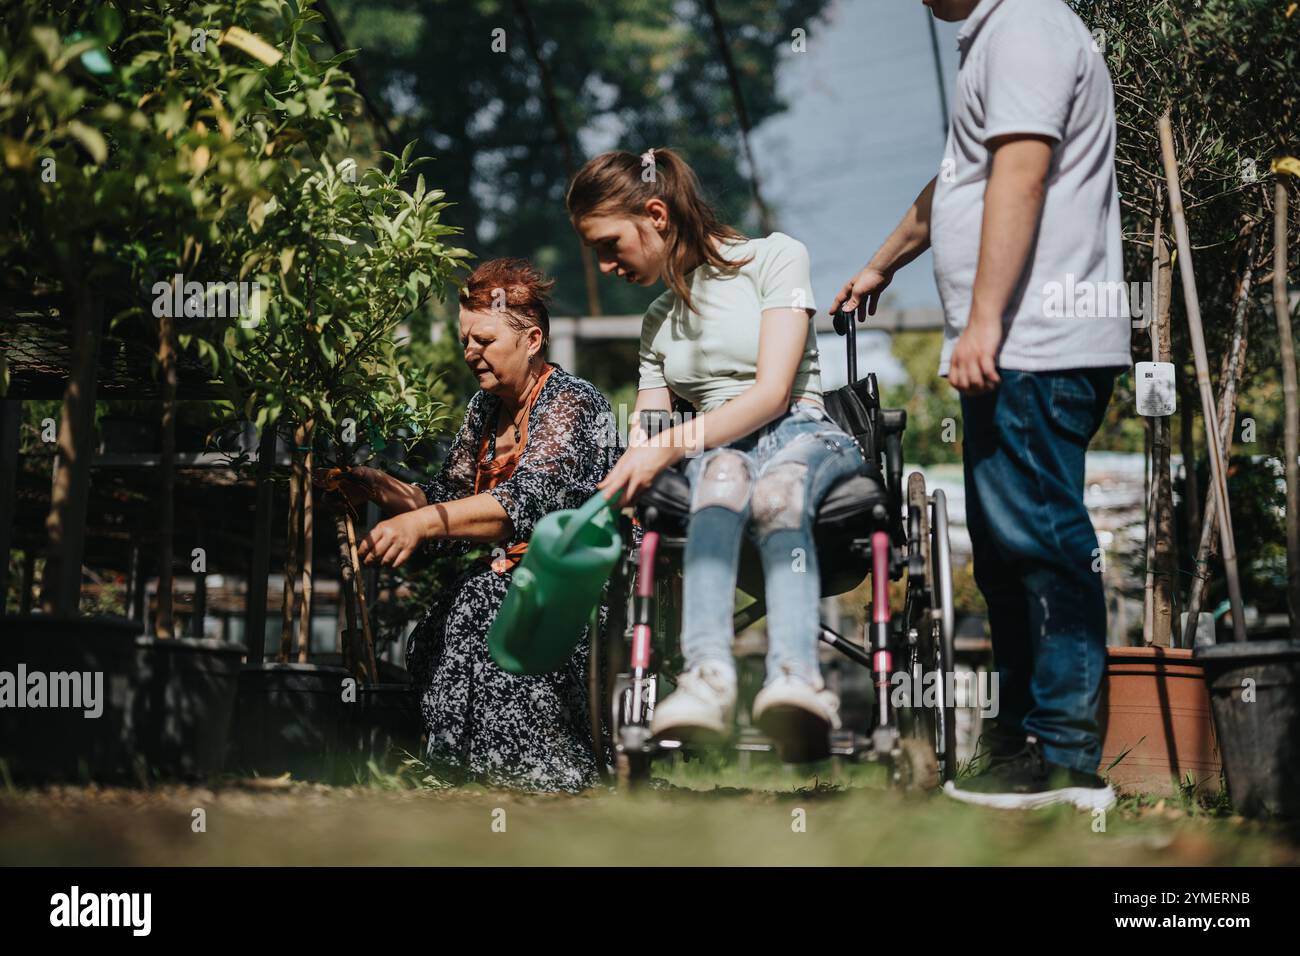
(1030, 66)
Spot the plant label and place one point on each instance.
(1156, 394)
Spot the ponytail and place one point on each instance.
(621, 183)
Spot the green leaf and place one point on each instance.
(108, 22)
(90, 138)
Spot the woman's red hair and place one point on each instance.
(515, 287)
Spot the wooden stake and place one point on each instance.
(369, 649)
(163, 625)
(1230, 374)
(255, 605)
(291, 548)
(1162, 542)
(65, 525)
(347, 590)
(1187, 443)
(1218, 478)
(1290, 403)
(304, 620)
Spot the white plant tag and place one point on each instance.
(1156, 394)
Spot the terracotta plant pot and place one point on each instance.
(1155, 715)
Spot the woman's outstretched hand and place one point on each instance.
(352, 483)
(635, 471)
(391, 541)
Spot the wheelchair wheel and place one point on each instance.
(920, 722)
(941, 592)
(918, 522)
(931, 720)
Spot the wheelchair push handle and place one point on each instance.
(846, 325)
(843, 320)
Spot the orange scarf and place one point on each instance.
(489, 474)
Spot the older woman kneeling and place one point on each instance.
(535, 439)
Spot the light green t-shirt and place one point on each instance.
(710, 355)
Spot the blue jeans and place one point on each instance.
(771, 482)
(1036, 557)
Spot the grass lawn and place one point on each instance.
(695, 813)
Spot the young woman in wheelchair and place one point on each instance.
(732, 334)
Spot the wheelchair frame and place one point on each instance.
(916, 741)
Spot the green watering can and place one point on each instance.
(556, 590)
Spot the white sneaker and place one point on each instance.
(702, 708)
(798, 716)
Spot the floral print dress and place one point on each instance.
(530, 732)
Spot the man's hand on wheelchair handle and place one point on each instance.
(637, 468)
(866, 286)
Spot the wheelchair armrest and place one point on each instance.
(893, 420)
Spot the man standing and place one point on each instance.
(1024, 223)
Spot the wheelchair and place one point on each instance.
(865, 526)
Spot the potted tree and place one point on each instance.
(347, 258)
(139, 141)
(62, 195)
(252, 94)
(1228, 117)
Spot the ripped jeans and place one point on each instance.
(771, 482)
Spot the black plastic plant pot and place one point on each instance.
(184, 705)
(128, 435)
(383, 725)
(67, 688)
(289, 720)
(1255, 692)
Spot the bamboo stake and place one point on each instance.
(347, 593)
(1187, 443)
(255, 605)
(1230, 375)
(1162, 542)
(65, 524)
(1291, 438)
(291, 548)
(304, 619)
(361, 603)
(163, 624)
(1218, 479)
